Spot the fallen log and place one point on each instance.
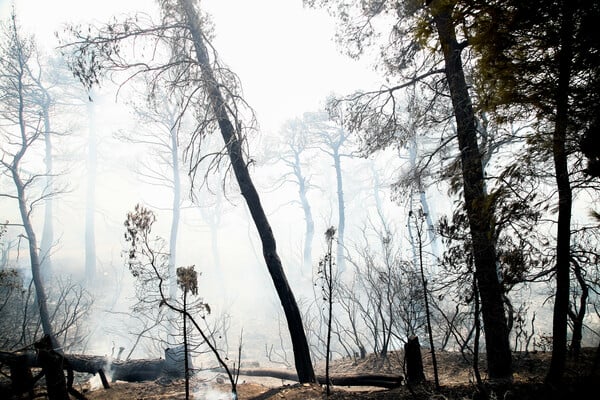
(388, 381)
(137, 370)
(151, 369)
(265, 372)
(118, 370)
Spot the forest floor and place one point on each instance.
(455, 376)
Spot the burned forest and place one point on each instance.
(208, 199)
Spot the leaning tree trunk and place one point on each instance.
(34, 257)
(24, 210)
(476, 203)
(303, 362)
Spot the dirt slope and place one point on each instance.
(455, 378)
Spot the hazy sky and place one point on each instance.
(284, 54)
(287, 62)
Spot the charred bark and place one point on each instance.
(129, 371)
(53, 365)
(563, 230)
(22, 380)
(414, 361)
(151, 369)
(388, 381)
(477, 206)
(248, 190)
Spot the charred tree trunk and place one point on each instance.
(149, 370)
(52, 364)
(427, 309)
(34, 257)
(478, 210)
(186, 365)
(388, 381)
(24, 209)
(129, 370)
(577, 314)
(234, 147)
(20, 374)
(563, 230)
(414, 361)
(25, 137)
(477, 328)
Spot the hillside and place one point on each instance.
(455, 378)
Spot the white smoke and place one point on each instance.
(209, 393)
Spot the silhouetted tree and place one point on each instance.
(330, 137)
(326, 274)
(161, 166)
(425, 49)
(90, 193)
(21, 130)
(146, 263)
(417, 218)
(544, 62)
(292, 149)
(183, 36)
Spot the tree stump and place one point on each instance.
(20, 375)
(52, 364)
(414, 361)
